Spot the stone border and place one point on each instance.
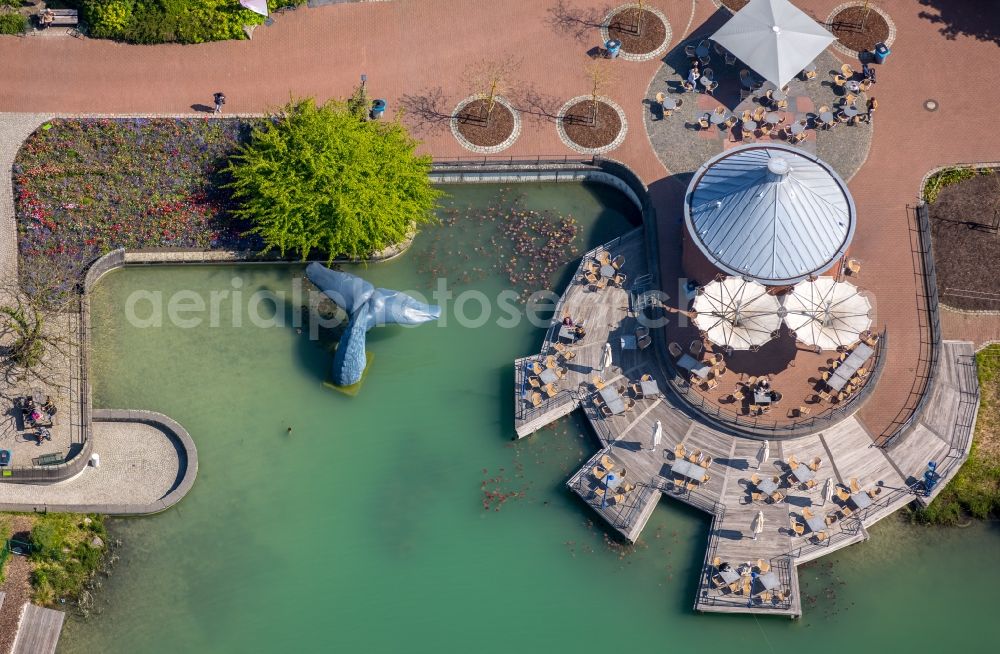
(485, 149)
(628, 56)
(579, 148)
(836, 45)
(173, 430)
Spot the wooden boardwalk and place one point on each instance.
(844, 450)
(38, 632)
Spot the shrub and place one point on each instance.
(13, 24)
(62, 554)
(15, 4)
(323, 178)
(108, 19)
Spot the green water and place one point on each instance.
(365, 528)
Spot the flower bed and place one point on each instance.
(85, 187)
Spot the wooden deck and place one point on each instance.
(38, 632)
(845, 451)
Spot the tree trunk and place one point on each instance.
(638, 18)
(491, 101)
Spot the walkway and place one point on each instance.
(38, 631)
(296, 56)
(145, 468)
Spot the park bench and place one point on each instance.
(64, 18)
(52, 459)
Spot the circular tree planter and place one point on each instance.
(732, 5)
(579, 132)
(475, 133)
(650, 42)
(857, 32)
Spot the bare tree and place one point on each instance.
(599, 75)
(490, 78)
(638, 20)
(37, 333)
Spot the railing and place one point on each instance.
(966, 416)
(731, 421)
(501, 160)
(525, 411)
(923, 384)
(620, 516)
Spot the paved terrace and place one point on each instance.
(886, 477)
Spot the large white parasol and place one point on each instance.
(258, 6)
(737, 313)
(657, 434)
(606, 356)
(774, 38)
(826, 313)
(828, 491)
(757, 526)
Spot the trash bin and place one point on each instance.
(378, 108)
(95, 460)
(881, 52)
(613, 46)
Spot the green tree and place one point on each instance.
(323, 178)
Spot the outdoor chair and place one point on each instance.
(629, 404)
(738, 396)
(536, 399)
(763, 566)
(709, 73)
(755, 479)
(797, 138)
(568, 355)
(845, 512)
(776, 497)
(706, 478)
(756, 496)
(535, 382)
(706, 462)
(814, 464)
(839, 81)
(598, 381)
(696, 347)
(704, 61)
(752, 380)
(705, 44)
(679, 451)
(720, 370)
(830, 519)
(825, 396)
(855, 488)
(618, 262)
(636, 391)
(865, 85)
(810, 484)
(660, 97)
(798, 528)
(590, 278)
(550, 362)
(753, 409)
(599, 492)
(810, 74)
(604, 258)
(675, 350)
(598, 472)
(537, 368)
(719, 50)
(703, 122)
(759, 113)
(646, 377)
(606, 411)
(689, 50)
(550, 390)
(730, 59)
(693, 458)
(821, 536)
(807, 514)
(687, 86)
(765, 408)
(607, 462)
(644, 342)
(847, 71)
(854, 267)
(876, 491)
(710, 384)
(826, 376)
(618, 280)
(793, 463)
(781, 104)
(730, 122)
(746, 133)
(691, 485)
(842, 494)
(601, 284)
(720, 110)
(746, 117)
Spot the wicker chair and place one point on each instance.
(703, 122)
(675, 350)
(847, 71)
(854, 267)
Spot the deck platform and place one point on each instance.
(845, 453)
(39, 630)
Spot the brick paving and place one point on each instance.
(412, 52)
(139, 465)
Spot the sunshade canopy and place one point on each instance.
(769, 212)
(774, 38)
(737, 313)
(259, 6)
(826, 313)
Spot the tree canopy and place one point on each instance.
(323, 177)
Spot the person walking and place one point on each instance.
(220, 99)
(872, 106)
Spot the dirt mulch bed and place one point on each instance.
(650, 36)
(735, 5)
(582, 130)
(846, 26)
(473, 126)
(966, 249)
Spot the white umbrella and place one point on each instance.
(657, 434)
(774, 38)
(606, 359)
(826, 313)
(757, 526)
(259, 6)
(737, 313)
(762, 455)
(828, 491)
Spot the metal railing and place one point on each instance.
(966, 416)
(510, 161)
(730, 421)
(923, 384)
(622, 516)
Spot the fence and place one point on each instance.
(731, 421)
(923, 384)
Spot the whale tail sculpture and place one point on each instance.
(366, 306)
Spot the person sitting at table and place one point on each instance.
(579, 331)
(868, 73)
(567, 321)
(724, 566)
(693, 75)
(49, 407)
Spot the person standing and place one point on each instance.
(872, 106)
(220, 99)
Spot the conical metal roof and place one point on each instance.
(771, 213)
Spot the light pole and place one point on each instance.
(364, 79)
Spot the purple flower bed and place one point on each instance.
(85, 187)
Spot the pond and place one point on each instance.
(365, 528)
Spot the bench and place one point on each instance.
(64, 18)
(49, 459)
